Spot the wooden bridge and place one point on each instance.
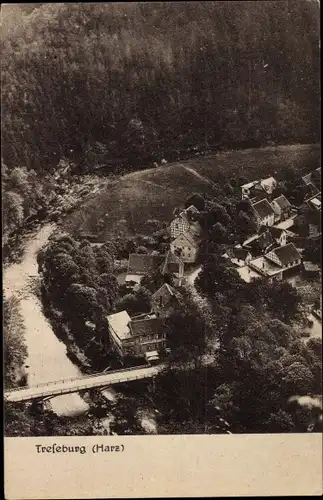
(51, 389)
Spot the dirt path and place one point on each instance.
(204, 305)
(199, 176)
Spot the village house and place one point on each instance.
(286, 256)
(282, 208)
(257, 190)
(315, 202)
(186, 247)
(140, 265)
(185, 221)
(240, 256)
(264, 212)
(309, 179)
(143, 337)
(260, 243)
(165, 301)
(269, 185)
(278, 262)
(279, 235)
(173, 265)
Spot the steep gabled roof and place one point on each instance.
(189, 237)
(263, 208)
(263, 241)
(144, 327)
(189, 213)
(287, 254)
(144, 264)
(268, 183)
(250, 184)
(282, 202)
(307, 178)
(276, 232)
(171, 263)
(240, 253)
(166, 291)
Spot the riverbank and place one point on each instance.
(49, 358)
(46, 358)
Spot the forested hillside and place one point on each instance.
(147, 78)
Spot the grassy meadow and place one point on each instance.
(123, 206)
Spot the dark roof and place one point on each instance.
(307, 178)
(144, 264)
(146, 326)
(240, 253)
(190, 213)
(287, 254)
(171, 263)
(282, 202)
(263, 208)
(276, 232)
(166, 291)
(264, 240)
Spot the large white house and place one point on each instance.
(185, 246)
(136, 337)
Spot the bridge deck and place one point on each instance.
(78, 384)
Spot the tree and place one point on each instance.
(215, 277)
(315, 345)
(15, 350)
(196, 200)
(298, 379)
(283, 300)
(279, 422)
(13, 212)
(186, 335)
(218, 233)
(312, 252)
(135, 302)
(154, 281)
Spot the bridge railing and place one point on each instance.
(62, 381)
(81, 387)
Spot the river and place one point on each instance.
(47, 358)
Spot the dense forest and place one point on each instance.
(146, 78)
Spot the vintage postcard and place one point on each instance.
(162, 306)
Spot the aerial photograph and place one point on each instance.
(161, 232)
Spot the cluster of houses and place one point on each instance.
(275, 251)
(184, 231)
(143, 336)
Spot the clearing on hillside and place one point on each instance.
(122, 207)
